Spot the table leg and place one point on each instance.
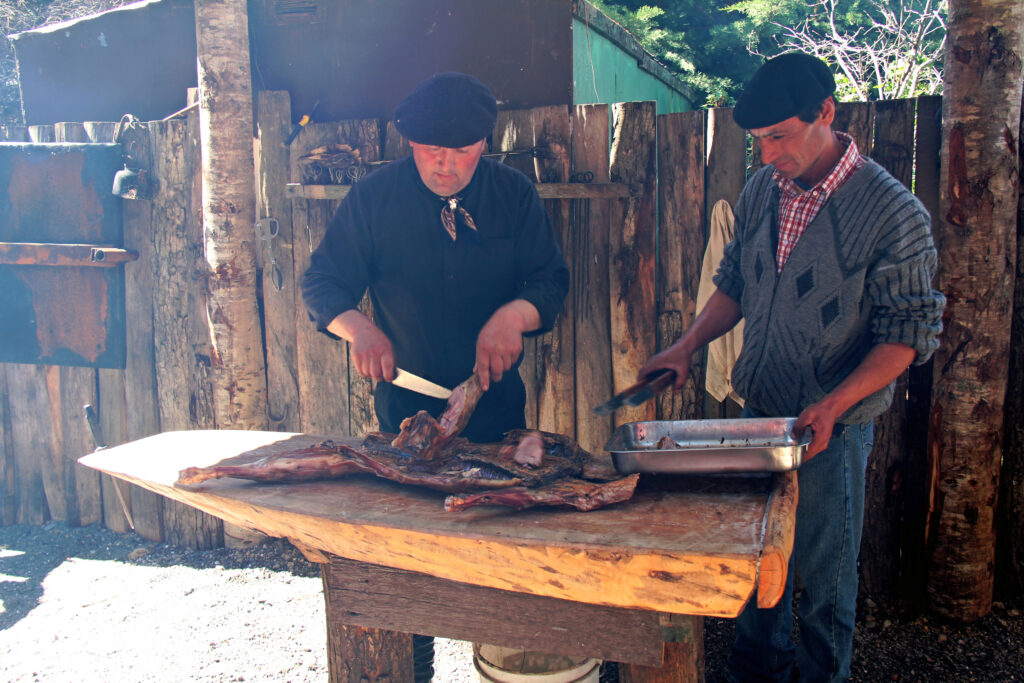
(684, 656)
(365, 655)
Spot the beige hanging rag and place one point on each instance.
(722, 352)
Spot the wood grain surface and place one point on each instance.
(690, 547)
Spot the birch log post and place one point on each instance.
(229, 200)
(978, 206)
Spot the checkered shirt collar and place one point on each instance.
(840, 173)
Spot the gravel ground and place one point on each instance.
(89, 605)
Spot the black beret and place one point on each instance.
(447, 110)
(782, 88)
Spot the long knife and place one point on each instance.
(412, 382)
(644, 390)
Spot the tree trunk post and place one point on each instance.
(977, 236)
(229, 196)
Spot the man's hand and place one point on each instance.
(676, 357)
(883, 364)
(501, 340)
(371, 349)
(821, 421)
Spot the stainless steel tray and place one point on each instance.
(708, 446)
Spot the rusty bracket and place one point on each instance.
(51, 254)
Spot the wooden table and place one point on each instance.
(616, 583)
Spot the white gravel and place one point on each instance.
(116, 608)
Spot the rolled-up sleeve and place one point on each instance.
(540, 267)
(338, 272)
(905, 308)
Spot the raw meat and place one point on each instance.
(578, 493)
(527, 468)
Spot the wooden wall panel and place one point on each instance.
(365, 137)
(589, 268)
(140, 366)
(322, 362)
(514, 131)
(681, 244)
(181, 341)
(280, 285)
(556, 397)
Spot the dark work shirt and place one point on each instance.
(430, 295)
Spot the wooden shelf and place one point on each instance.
(545, 190)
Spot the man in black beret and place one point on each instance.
(458, 255)
(831, 270)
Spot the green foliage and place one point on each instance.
(714, 46)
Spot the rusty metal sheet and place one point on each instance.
(58, 314)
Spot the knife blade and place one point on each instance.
(412, 382)
(644, 390)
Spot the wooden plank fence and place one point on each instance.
(634, 240)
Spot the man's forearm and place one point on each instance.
(350, 324)
(720, 314)
(883, 364)
(522, 314)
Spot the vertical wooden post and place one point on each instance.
(893, 145)
(588, 265)
(273, 124)
(981, 120)
(226, 130)
(1010, 518)
(633, 313)
(680, 247)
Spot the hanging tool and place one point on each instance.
(101, 444)
(306, 118)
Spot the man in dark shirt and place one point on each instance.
(459, 258)
(460, 261)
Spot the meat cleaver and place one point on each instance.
(644, 390)
(412, 382)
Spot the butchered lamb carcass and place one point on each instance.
(527, 468)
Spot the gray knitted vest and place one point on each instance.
(858, 276)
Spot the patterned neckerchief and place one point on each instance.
(451, 205)
(798, 207)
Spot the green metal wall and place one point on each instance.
(619, 79)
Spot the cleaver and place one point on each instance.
(644, 390)
(412, 382)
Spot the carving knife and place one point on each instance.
(412, 382)
(644, 390)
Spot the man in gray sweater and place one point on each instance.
(831, 270)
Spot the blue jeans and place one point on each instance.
(829, 519)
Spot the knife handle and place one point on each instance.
(652, 384)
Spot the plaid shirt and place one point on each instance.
(797, 207)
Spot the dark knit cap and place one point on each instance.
(783, 87)
(447, 110)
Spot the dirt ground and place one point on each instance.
(90, 606)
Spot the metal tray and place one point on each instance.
(708, 446)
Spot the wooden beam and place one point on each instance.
(545, 190)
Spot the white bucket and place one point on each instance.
(497, 664)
